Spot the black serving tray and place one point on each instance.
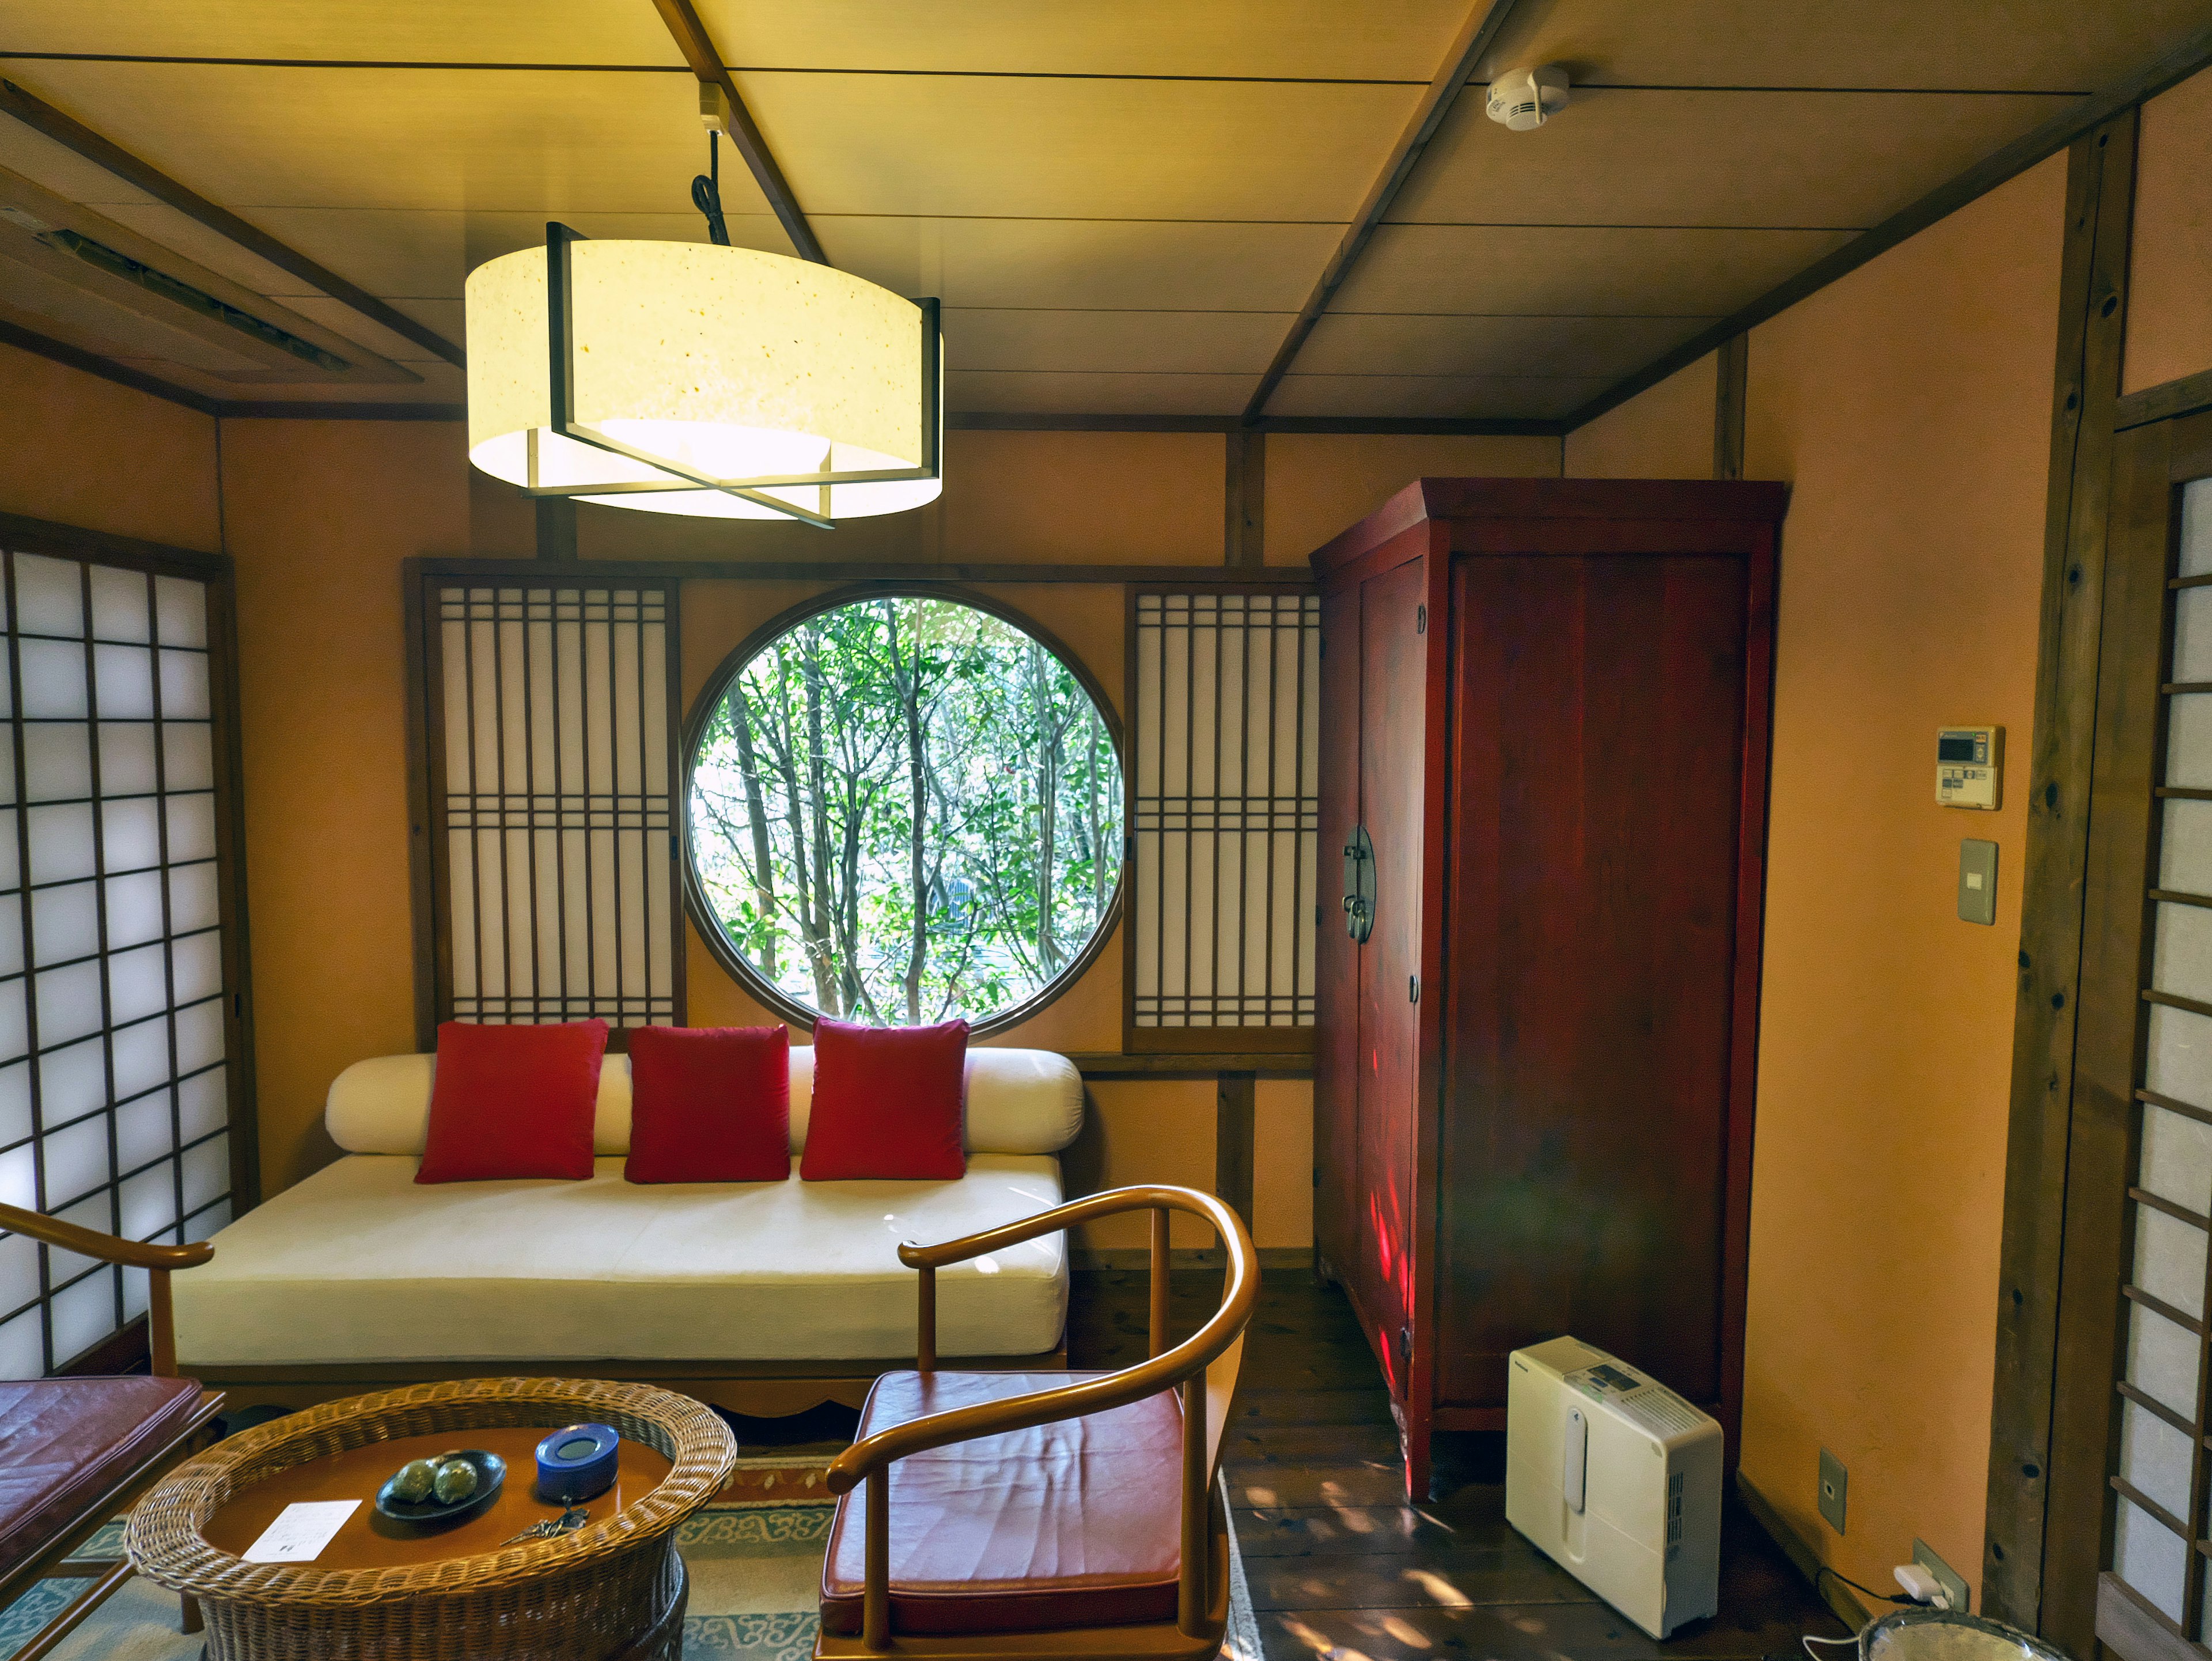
(491, 1475)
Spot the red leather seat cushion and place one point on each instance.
(1071, 1524)
(64, 1442)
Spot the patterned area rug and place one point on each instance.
(756, 1569)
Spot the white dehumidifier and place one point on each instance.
(1617, 1479)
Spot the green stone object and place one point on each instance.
(415, 1479)
(457, 1480)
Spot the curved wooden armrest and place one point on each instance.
(108, 1247)
(1131, 1383)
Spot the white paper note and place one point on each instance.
(301, 1531)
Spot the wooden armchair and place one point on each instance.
(1043, 1514)
(74, 1451)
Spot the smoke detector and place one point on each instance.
(1523, 99)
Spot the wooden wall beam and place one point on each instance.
(2165, 400)
(1732, 365)
(2092, 323)
(41, 117)
(698, 50)
(1474, 40)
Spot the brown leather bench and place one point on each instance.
(1043, 1516)
(75, 1452)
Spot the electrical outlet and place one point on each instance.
(1946, 1576)
(1835, 1489)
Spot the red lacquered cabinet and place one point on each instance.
(1545, 709)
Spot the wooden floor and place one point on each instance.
(1340, 1567)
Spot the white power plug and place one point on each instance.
(1921, 1586)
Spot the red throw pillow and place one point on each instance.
(709, 1105)
(887, 1102)
(513, 1101)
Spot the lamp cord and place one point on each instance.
(707, 193)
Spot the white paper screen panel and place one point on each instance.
(1224, 806)
(2159, 1527)
(115, 1098)
(554, 746)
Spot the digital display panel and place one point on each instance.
(1954, 747)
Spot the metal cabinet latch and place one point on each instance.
(1359, 886)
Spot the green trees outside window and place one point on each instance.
(906, 809)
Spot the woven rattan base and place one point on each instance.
(615, 1588)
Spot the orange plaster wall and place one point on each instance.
(1908, 406)
(2169, 299)
(82, 451)
(320, 514)
(1664, 432)
(1318, 483)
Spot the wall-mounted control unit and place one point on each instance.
(1969, 766)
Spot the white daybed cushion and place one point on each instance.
(360, 1262)
(1019, 1101)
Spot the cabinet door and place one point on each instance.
(1598, 710)
(1392, 781)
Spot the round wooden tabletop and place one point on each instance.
(368, 1540)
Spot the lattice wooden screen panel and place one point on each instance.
(1224, 807)
(552, 725)
(116, 1021)
(2160, 1535)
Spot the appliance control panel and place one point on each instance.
(1970, 767)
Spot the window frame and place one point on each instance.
(701, 912)
(1294, 1044)
(122, 1349)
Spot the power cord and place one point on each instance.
(1879, 1596)
(707, 193)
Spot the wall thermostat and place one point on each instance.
(1969, 766)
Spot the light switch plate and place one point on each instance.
(1978, 881)
(1946, 1576)
(1835, 1489)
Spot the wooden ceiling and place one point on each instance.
(1124, 206)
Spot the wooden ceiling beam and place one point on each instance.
(42, 117)
(2192, 53)
(1459, 63)
(698, 50)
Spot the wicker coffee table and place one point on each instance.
(614, 1588)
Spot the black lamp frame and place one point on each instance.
(561, 332)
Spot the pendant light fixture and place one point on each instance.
(703, 378)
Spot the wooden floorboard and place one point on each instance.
(1342, 1568)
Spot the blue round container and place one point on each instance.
(577, 1463)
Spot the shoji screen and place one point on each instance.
(118, 1018)
(2160, 1525)
(1223, 808)
(552, 725)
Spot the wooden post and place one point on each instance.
(1190, 1588)
(876, 1591)
(1159, 1271)
(1233, 1133)
(2091, 327)
(1731, 366)
(160, 1325)
(557, 527)
(924, 1343)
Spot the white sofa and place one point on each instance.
(763, 1296)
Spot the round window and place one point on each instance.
(903, 809)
